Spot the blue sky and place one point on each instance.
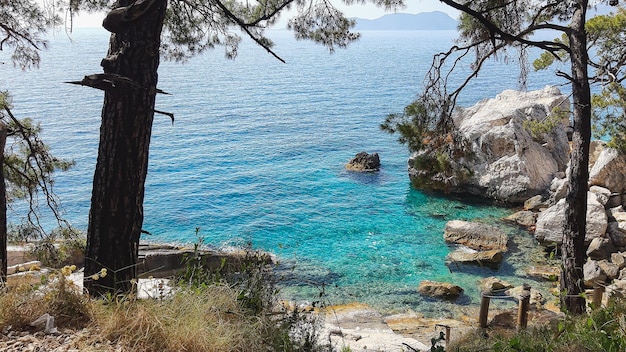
(362, 11)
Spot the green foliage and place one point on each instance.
(547, 59)
(29, 166)
(23, 23)
(610, 114)
(538, 129)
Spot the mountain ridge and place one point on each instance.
(435, 20)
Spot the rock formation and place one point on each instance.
(364, 162)
(503, 160)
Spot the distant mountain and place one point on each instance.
(406, 22)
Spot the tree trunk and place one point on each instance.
(116, 213)
(3, 208)
(573, 248)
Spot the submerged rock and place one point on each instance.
(493, 284)
(442, 290)
(364, 162)
(466, 255)
(475, 235)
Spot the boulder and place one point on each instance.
(536, 298)
(619, 259)
(550, 222)
(558, 188)
(609, 171)
(616, 234)
(617, 289)
(610, 269)
(468, 255)
(505, 161)
(364, 162)
(523, 218)
(534, 203)
(600, 248)
(593, 273)
(442, 290)
(493, 284)
(475, 235)
(602, 194)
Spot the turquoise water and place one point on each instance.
(256, 156)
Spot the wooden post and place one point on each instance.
(524, 303)
(598, 292)
(484, 310)
(447, 333)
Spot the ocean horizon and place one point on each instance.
(256, 157)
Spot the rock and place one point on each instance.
(441, 290)
(45, 323)
(523, 218)
(475, 235)
(493, 284)
(502, 161)
(534, 203)
(536, 298)
(618, 259)
(595, 148)
(593, 273)
(550, 273)
(467, 255)
(609, 171)
(610, 269)
(618, 215)
(558, 189)
(616, 234)
(602, 194)
(600, 248)
(615, 200)
(617, 289)
(364, 162)
(549, 228)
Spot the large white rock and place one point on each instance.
(506, 163)
(509, 164)
(549, 228)
(609, 171)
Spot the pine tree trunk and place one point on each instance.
(573, 247)
(116, 214)
(3, 208)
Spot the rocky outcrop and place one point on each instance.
(502, 159)
(441, 290)
(364, 162)
(475, 235)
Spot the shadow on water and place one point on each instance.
(374, 178)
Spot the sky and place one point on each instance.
(361, 11)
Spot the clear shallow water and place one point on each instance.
(256, 156)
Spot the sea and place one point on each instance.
(256, 156)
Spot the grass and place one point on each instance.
(602, 329)
(238, 311)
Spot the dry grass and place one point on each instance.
(27, 298)
(208, 318)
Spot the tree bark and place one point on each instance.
(573, 247)
(116, 213)
(3, 209)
